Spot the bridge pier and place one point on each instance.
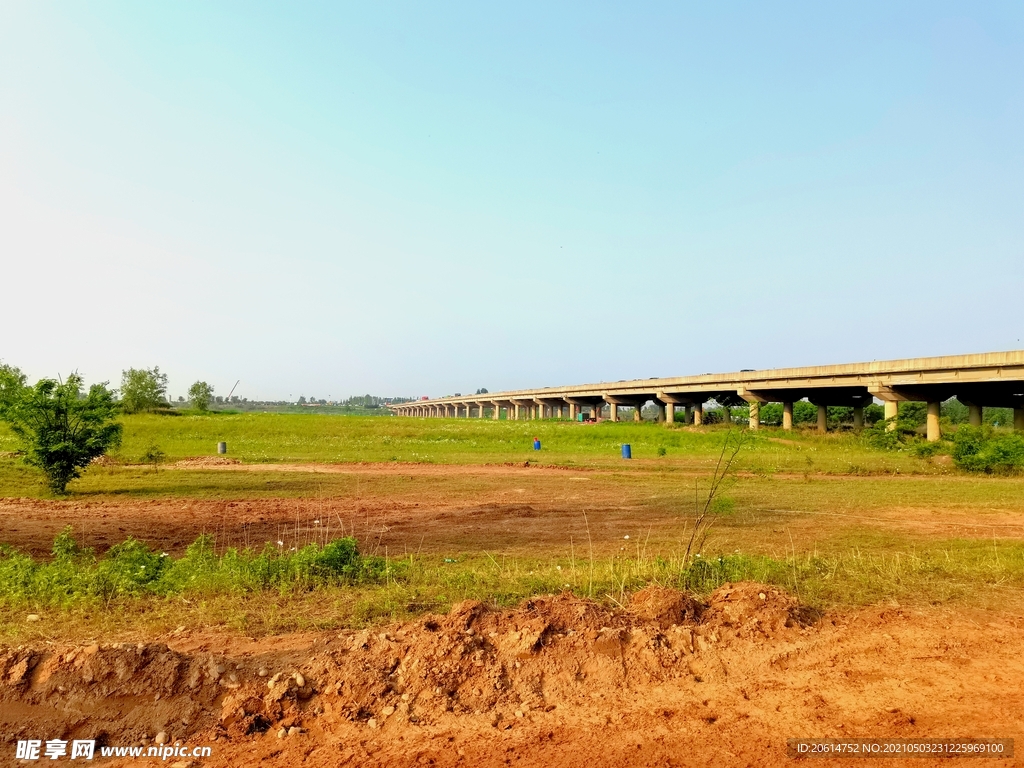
(934, 432)
(892, 411)
(613, 412)
(754, 422)
(858, 418)
(823, 418)
(669, 409)
(787, 416)
(637, 415)
(698, 414)
(975, 415)
(1018, 419)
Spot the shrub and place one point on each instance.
(60, 427)
(979, 449)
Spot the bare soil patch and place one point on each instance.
(423, 508)
(558, 681)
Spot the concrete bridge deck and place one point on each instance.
(992, 379)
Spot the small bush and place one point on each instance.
(979, 449)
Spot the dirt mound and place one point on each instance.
(557, 681)
(666, 607)
(550, 652)
(748, 609)
(198, 462)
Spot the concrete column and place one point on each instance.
(934, 432)
(670, 413)
(572, 411)
(892, 411)
(1018, 419)
(974, 415)
(823, 418)
(787, 415)
(755, 416)
(513, 411)
(858, 417)
(613, 412)
(688, 415)
(726, 415)
(497, 411)
(698, 414)
(637, 416)
(595, 411)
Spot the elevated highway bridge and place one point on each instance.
(986, 380)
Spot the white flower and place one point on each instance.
(626, 536)
(280, 543)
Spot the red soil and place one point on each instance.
(559, 681)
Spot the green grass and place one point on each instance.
(271, 592)
(821, 515)
(291, 438)
(133, 570)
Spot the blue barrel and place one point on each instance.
(536, 444)
(627, 452)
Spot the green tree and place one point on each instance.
(61, 428)
(200, 395)
(143, 390)
(12, 381)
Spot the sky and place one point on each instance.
(412, 199)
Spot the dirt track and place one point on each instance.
(557, 682)
(402, 508)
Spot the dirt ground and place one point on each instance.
(558, 681)
(403, 508)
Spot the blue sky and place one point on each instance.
(424, 199)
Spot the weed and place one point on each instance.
(131, 569)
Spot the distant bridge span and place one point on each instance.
(991, 379)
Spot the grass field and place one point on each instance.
(285, 438)
(827, 516)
